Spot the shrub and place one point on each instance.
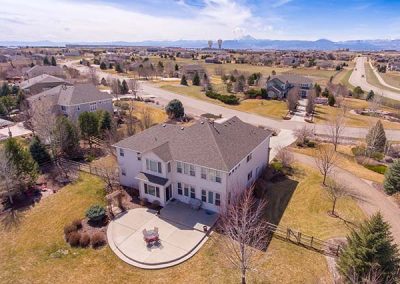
(277, 166)
(229, 100)
(358, 151)
(143, 201)
(380, 169)
(69, 229)
(392, 178)
(96, 213)
(377, 156)
(155, 204)
(98, 240)
(77, 223)
(311, 144)
(84, 241)
(74, 238)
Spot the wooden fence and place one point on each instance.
(86, 168)
(304, 240)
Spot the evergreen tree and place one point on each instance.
(5, 90)
(110, 66)
(105, 121)
(392, 178)
(317, 89)
(53, 61)
(370, 95)
(196, 80)
(89, 126)
(118, 68)
(370, 247)
(124, 87)
(46, 61)
(184, 81)
(175, 109)
(38, 151)
(176, 67)
(331, 100)
(103, 66)
(26, 168)
(67, 137)
(376, 138)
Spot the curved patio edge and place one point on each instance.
(154, 266)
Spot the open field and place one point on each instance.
(26, 250)
(343, 78)
(325, 112)
(346, 161)
(391, 78)
(372, 79)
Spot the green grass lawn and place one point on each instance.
(25, 250)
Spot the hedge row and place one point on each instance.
(229, 100)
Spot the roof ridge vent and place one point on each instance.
(182, 128)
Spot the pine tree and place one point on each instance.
(38, 151)
(125, 88)
(103, 66)
(89, 126)
(53, 61)
(370, 95)
(26, 168)
(392, 178)
(67, 137)
(118, 68)
(370, 247)
(176, 67)
(331, 100)
(105, 121)
(184, 81)
(376, 138)
(175, 109)
(196, 80)
(46, 61)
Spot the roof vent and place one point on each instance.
(201, 122)
(164, 125)
(182, 128)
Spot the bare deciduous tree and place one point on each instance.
(92, 76)
(109, 174)
(134, 86)
(311, 102)
(303, 134)
(325, 159)
(293, 99)
(245, 231)
(130, 120)
(285, 156)
(336, 127)
(8, 177)
(335, 190)
(146, 118)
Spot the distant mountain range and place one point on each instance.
(246, 42)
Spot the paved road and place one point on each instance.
(369, 199)
(356, 79)
(380, 79)
(198, 107)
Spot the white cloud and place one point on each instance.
(62, 20)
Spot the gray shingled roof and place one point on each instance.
(151, 178)
(45, 78)
(45, 69)
(219, 146)
(292, 78)
(80, 94)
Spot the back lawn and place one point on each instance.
(25, 251)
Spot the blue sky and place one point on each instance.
(114, 20)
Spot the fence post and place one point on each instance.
(338, 250)
(311, 241)
(288, 234)
(298, 237)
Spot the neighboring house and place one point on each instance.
(205, 163)
(191, 69)
(394, 66)
(45, 69)
(41, 83)
(71, 101)
(279, 85)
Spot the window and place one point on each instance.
(203, 195)
(218, 177)
(169, 167)
(153, 166)
(217, 199)
(192, 170)
(152, 190)
(92, 106)
(123, 172)
(179, 188)
(64, 108)
(249, 157)
(203, 173)
(179, 167)
(138, 156)
(186, 190)
(250, 175)
(192, 192)
(211, 197)
(121, 152)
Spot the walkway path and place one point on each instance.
(369, 199)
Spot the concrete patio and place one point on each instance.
(180, 231)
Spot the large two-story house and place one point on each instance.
(278, 86)
(207, 162)
(71, 101)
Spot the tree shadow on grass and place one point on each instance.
(11, 219)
